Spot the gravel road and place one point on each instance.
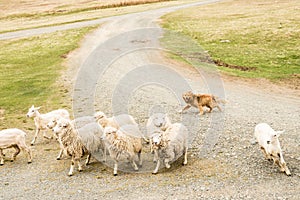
(122, 68)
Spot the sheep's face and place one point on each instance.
(108, 133)
(99, 115)
(156, 139)
(159, 140)
(32, 111)
(160, 120)
(274, 136)
(52, 123)
(60, 126)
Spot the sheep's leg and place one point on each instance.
(104, 155)
(135, 167)
(185, 108)
(60, 154)
(1, 152)
(167, 163)
(79, 164)
(267, 156)
(282, 165)
(24, 147)
(140, 158)
(185, 156)
(29, 155)
(155, 157)
(157, 167)
(171, 156)
(45, 136)
(116, 168)
(16, 153)
(35, 136)
(1, 157)
(88, 158)
(72, 166)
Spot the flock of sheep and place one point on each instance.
(120, 136)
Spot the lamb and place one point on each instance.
(115, 121)
(77, 123)
(13, 138)
(80, 142)
(170, 145)
(118, 143)
(269, 144)
(41, 120)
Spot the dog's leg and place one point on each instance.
(200, 109)
(210, 108)
(219, 107)
(185, 108)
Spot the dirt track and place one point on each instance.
(122, 67)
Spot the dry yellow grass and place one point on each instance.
(28, 14)
(37, 7)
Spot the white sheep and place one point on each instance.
(41, 120)
(118, 143)
(115, 121)
(79, 142)
(169, 145)
(13, 138)
(157, 122)
(268, 141)
(77, 123)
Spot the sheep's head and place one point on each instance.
(61, 125)
(160, 120)
(52, 123)
(158, 140)
(32, 111)
(274, 136)
(109, 132)
(99, 115)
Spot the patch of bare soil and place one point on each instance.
(242, 68)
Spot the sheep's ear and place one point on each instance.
(279, 132)
(32, 107)
(66, 124)
(38, 108)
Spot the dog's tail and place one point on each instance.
(218, 100)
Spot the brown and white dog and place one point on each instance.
(199, 101)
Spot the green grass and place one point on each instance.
(264, 35)
(30, 72)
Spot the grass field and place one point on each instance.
(20, 15)
(30, 71)
(259, 38)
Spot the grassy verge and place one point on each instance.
(30, 71)
(248, 39)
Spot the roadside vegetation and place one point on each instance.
(30, 71)
(259, 38)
